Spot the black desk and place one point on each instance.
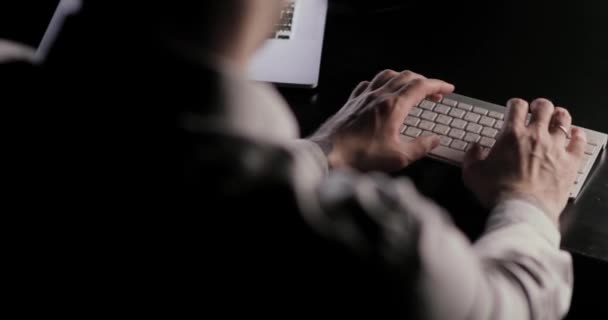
(491, 51)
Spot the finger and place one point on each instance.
(401, 80)
(416, 90)
(542, 111)
(360, 89)
(382, 78)
(473, 155)
(418, 148)
(436, 97)
(517, 111)
(561, 119)
(577, 143)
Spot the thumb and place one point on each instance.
(421, 146)
(472, 156)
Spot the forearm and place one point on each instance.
(521, 248)
(515, 271)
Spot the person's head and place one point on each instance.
(233, 29)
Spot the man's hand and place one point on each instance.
(365, 135)
(535, 161)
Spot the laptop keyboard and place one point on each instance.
(284, 28)
(461, 121)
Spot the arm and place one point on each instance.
(515, 271)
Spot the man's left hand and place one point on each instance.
(365, 133)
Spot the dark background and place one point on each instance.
(491, 50)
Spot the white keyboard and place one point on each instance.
(461, 121)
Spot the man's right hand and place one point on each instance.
(535, 162)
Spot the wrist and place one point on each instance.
(549, 210)
(327, 146)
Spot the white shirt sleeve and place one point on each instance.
(516, 270)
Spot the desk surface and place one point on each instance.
(491, 50)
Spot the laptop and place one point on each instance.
(292, 54)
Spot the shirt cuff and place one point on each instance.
(314, 151)
(517, 211)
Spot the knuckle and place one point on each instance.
(418, 83)
(541, 135)
(517, 103)
(542, 103)
(408, 74)
(563, 113)
(388, 73)
(580, 135)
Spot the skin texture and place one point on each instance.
(365, 135)
(536, 161)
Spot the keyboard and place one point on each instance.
(284, 28)
(461, 121)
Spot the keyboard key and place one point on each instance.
(481, 111)
(457, 113)
(489, 132)
(474, 127)
(413, 132)
(428, 115)
(499, 124)
(593, 140)
(487, 142)
(426, 125)
(459, 145)
(461, 125)
(487, 121)
(416, 112)
(441, 129)
(403, 129)
(450, 102)
(472, 117)
(444, 120)
(412, 121)
(496, 115)
(426, 134)
(465, 106)
(427, 105)
(472, 137)
(443, 109)
(457, 123)
(445, 141)
(457, 133)
(586, 162)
